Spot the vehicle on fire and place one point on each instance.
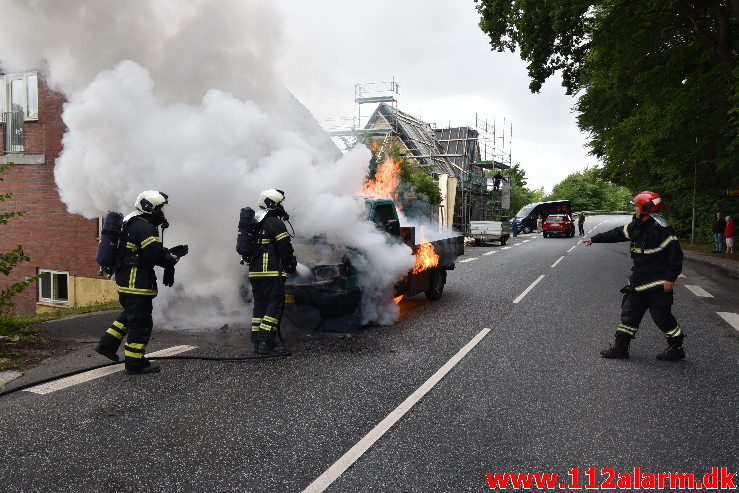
(328, 298)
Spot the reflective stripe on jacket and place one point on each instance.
(655, 251)
(139, 251)
(274, 247)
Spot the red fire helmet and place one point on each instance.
(649, 201)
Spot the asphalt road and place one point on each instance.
(533, 395)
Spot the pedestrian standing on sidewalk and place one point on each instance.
(581, 223)
(658, 260)
(539, 224)
(719, 226)
(729, 235)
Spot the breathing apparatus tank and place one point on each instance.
(108, 247)
(246, 239)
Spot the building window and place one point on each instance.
(53, 287)
(20, 92)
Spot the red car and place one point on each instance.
(558, 224)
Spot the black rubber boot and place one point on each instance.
(255, 340)
(142, 370)
(270, 348)
(674, 350)
(108, 353)
(619, 349)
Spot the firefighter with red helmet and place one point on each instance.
(658, 260)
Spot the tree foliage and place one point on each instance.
(9, 260)
(657, 88)
(587, 191)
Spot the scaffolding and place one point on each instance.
(462, 152)
(351, 131)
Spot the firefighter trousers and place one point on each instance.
(269, 305)
(133, 324)
(658, 302)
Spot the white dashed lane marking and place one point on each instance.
(699, 291)
(350, 457)
(63, 383)
(489, 253)
(506, 248)
(467, 260)
(731, 318)
(558, 261)
(521, 296)
(568, 251)
(682, 275)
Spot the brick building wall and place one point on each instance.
(53, 238)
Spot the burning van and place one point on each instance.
(329, 296)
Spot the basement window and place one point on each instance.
(53, 287)
(20, 92)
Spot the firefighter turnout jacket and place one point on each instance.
(655, 251)
(139, 250)
(274, 251)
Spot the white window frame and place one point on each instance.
(54, 298)
(29, 97)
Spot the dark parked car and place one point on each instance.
(559, 224)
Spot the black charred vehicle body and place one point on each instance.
(328, 298)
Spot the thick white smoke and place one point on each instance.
(181, 97)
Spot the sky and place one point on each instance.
(445, 68)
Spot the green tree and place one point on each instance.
(657, 85)
(586, 190)
(10, 259)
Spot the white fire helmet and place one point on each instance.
(149, 200)
(270, 199)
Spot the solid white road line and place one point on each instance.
(699, 291)
(63, 383)
(489, 253)
(520, 296)
(568, 251)
(467, 260)
(558, 261)
(731, 318)
(350, 457)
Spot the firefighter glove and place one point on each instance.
(179, 251)
(168, 279)
(292, 266)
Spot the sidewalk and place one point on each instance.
(729, 263)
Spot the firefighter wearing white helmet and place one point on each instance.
(268, 271)
(139, 250)
(658, 261)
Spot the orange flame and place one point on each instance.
(398, 299)
(385, 184)
(426, 257)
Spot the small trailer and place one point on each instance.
(485, 231)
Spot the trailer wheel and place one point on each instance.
(437, 285)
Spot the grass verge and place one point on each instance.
(20, 346)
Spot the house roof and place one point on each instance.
(418, 136)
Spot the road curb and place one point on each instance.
(731, 267)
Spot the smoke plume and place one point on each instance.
(182, 97)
